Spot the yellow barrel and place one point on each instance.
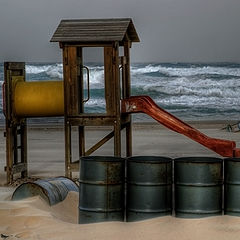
(38, 99)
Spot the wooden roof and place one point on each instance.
(95, 30)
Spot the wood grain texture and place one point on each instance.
(95, 30)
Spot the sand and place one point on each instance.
(33, 219)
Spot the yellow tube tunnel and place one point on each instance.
(38, 99)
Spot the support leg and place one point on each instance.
(68, 150)
(117, 139)
(23, 132)
(129, 139)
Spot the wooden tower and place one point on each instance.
(111, 35)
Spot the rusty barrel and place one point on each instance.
(52, 190)
(149, 187)
(101, 192)
(232, 186)
(198, 186)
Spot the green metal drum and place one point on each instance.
(232, 186)
(101, 192)
(149, 187)
(52, 190)
(198, 186)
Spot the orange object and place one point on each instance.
(146, 105)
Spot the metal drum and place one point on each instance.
(149, 187)
(232, 186)
(52, 190)
(101, 193)
(198, 187)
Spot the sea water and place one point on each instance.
(191, 91)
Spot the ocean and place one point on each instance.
(191, 91)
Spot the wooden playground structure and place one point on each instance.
(66, 98)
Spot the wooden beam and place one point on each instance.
(70, 74)
(23, 136)
(91, 121)
(109, 81)
(99, 144)
(81, 130)
(102, 141)
(117, 98)
(127, 93)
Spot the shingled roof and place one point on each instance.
(95, 30)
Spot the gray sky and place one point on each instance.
(169, 30)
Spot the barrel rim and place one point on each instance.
(44, 191)
(102, 159)
(149, 159)
(232, 159)
(198, 160)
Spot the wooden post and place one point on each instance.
(14, 72)
(23, 132)
(70, 72)
(127, 84)
(109, 81)
(81, 130)
(71, 103)
(117, 96)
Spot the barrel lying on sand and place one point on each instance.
(198, 186)
(52, 190)
(38, 99)
(101, 192)
(149, 187)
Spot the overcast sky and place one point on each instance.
(169, 30)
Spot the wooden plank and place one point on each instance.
(109, 81)
(8, 120)
(127, 92)
(89, 121)
(89, 39)
(82, 29)
(81, 130)
(70, 72)
(102, 141)
(15, 145)
(68, 149)
(87, 44)
(23, 129)
(85, 31)
(116, 91)
(99, 144)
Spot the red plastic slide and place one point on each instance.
(145, 104)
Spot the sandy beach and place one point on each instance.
(34, 219)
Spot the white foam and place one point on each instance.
(189, 71)
(51, 70)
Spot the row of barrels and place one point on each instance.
(143, 187)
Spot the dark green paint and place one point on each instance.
(149, 187)
(101, 192)
(198, 186)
